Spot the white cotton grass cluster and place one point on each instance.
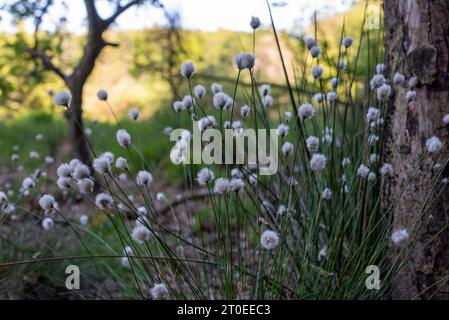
(104, 201)
(386, 169)
(316, 72)
(205, 176)
(123, 138)
(265, 90)
(267, 101)
(140, 233)
(200, 91)
(269, 240)
(121, 163)
(399, 236)
(313, 144)
(216, 88)
(398, 78)
(47, 223)
(282, 130)
(222, 186)
(207, 122)
(363, 171)
(384, 92)
(377, 81)
(46, 202)
(287, 148)
(310, 42)
(102, 165)
(244, 111)
(315, 51)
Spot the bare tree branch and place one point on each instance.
(46, 61)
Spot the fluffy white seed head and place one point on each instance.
(410, 95)
(140, 233)
(310, 42)
(318, 162)
(244, 111)
(123, 138)
(84, 219)
(236, 184)
(380, 68)
(319, 97)
(200, 91)
(216, 88)
(104, 201)
(265, 90)
(159, 292)
(161, 197)
(46, 202)
(221, 186)
(372, 114)
(363, 171)
(63, 183)
(85, 185)
(64, 170)
(121, 163)
(347, 41)
(372, 176)
(413, 82)
(219, 100)
(313, 143)
(287, 116)
(47, 223)
(144, 178)
(373, 158)
(331, 96)
(398, 78)
(207, 122)
(287, 148)
(133, 114)
(28, 183)
(188, 69)
(255, 22)
(345, 162)
(188, 102)
(245, 61)
(326, 194)
(315, 51)
(377, 81)
(102, 165)
(267, 101)
(282, 130)
(102, 95)
(386, 169)
(335, 82)
(383, 92)
(317, 72)
(269, 240)
(399, 236)
(62, 98)
(434, 145)
(205, 176)
(81, 171)
(306, 111)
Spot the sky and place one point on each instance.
(205, 15)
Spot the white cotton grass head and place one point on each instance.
(123, 138)
(267, 101)
(331, 96)
(318, 162)
(287, 116)
(46, 202)
(140, 233)
(412, 82)
(410, 95)
(319, 97)
(399, 236)
(47, 223)
(269, 240)
(380, 68)
(315, 51)
(306, 111)
(313, 144)
(159, 291)
(341, 65)
(121, 163)
(345, 162)
(236, 184)
(28, 183)
(104, 201)
(317, 72)
(205, 176)
(373, 139)
(334, 82)
(207, 122)
(85, 185)
(326, 194)
(81, 171)
(347, 41)
(62, 98)
(265, 89)
(244, 61)
(102, 95)
(282, 130)
(372, 176)
(188, 102)
(144, 178)
(219, 100)
(398, 78)
(377, 81)
(133, 114)
(386, 169)
(373, 158)
(63, 183)
(160, 196)
(34, 155)
(108, 156)
(221, 186)
(102, 165)
(216, 88)
(384, 92)
(188, 69)
(200, 91)
(49, 160)
(84, 219)
(363, 171)
(287, 148)
(372, 114)
(244, 111)
(255, 22)
(434, 145)
(177, 106)
(310, 42)
(39, 137)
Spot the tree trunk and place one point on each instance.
(417, 43)
(76, 127)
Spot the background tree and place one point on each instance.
(417, 44)
(43, 54)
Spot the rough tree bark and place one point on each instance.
(417, 43)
